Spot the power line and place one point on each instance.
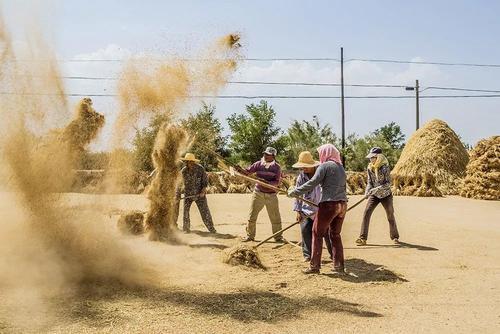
(317, 59)
(251, 97)
(394, 61)
(314, 84)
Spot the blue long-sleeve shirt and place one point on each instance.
(331, 176)
(314, 196)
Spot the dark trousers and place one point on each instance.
(329, 219)
(202, 205)
(306, 226)
(387, 203)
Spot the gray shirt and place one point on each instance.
(331, 177)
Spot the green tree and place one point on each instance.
(306, 136)
(392, 134)
(207, 133)
(253, 131)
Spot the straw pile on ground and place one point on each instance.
(356, 183)
(131, 223)
(482, 179)
(432, 163)
(242, 255)
(161, 220)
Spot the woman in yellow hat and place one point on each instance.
(306, 212)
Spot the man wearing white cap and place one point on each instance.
(268, 170)
(195, 184)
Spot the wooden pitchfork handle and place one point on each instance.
(292, 225)
(267, 185)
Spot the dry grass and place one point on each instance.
(242, 255)
(482, 179)
(432, 162)
(131, 223)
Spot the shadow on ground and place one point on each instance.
(360, 271)
(400, 245)
(100, 305)
(213, 235)
(213, 246)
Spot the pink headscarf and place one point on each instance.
(329, 152)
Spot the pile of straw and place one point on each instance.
(84, 128)
(432, 162)
(356, 183)
(131, 223)
(482, 179)
(160, 221)
(242, 255)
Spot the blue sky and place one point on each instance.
(450, 31)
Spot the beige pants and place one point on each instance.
(270, 201)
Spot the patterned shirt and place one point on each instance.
(383, 180)
(313, 196)
(268, 172)
(195, 179)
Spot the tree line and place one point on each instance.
(251, 132)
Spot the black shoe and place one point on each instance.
(280, 240)
(247, 239)
(186, 230)
(310, 271)
(213, 231)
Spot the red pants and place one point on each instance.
(330, 217)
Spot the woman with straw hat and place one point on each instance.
(195, 184)
(379, 176)
(332, 207)
(306, 212)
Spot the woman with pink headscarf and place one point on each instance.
(332, 207)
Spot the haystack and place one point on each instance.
(432, 163)
(482, 179)
(131, 223)
(356, 183)
(242, 255)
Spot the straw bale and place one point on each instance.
(435, 149)
(131, 223)
(482, 179)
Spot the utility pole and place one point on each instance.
(342, 101)
(417, 102)
(417, 116)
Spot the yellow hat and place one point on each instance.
(306, 160)
(190, 157)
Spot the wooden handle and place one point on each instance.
(267, 185)
(292, 225)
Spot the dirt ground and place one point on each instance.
(444, 277)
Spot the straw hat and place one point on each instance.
(190, 157)
(306, 160)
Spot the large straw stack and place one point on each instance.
(482, 179)
(432, 163)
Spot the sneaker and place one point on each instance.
(361, 242)
(280, 240)
(247, 239)
(395, 241)
(310, 271)
(213, 231)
